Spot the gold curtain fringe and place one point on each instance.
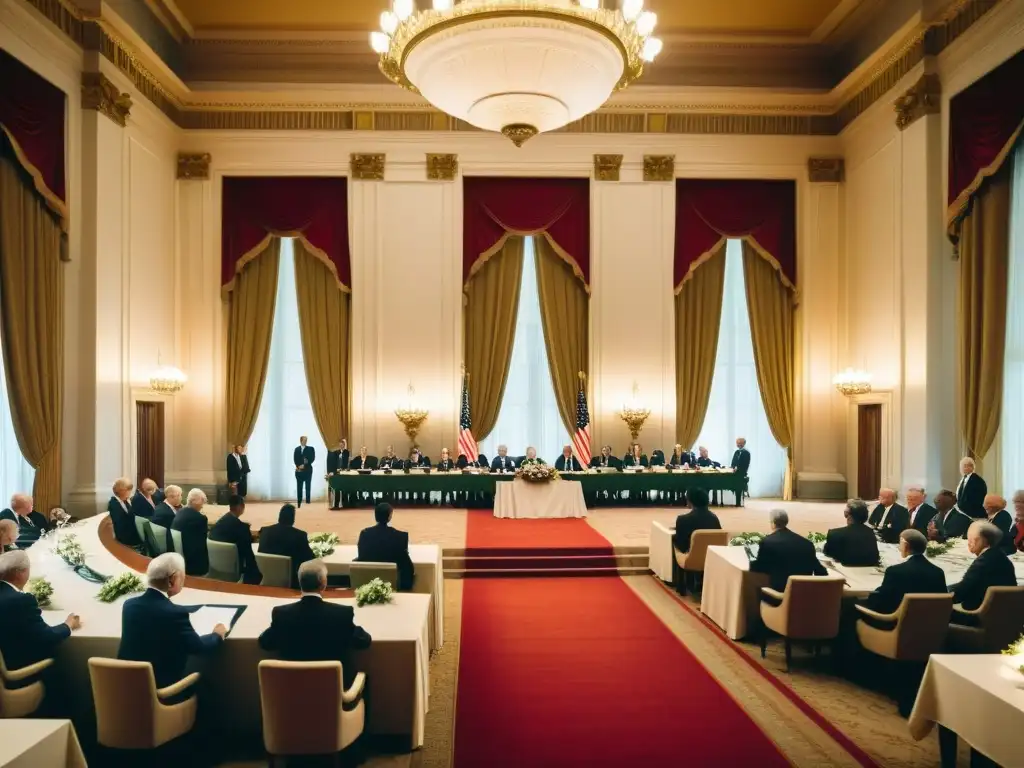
(958, 208)
(54, 203)
(260, 247)
(704, 257)
(482, 259)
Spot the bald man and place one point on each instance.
(995, 510)
(31, 524)
(889, 518)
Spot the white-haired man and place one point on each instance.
(8, 535)
(889, 518)
(783, 553)
(144, 501)
(25, 638)
(503, 462)
(921, 512)
(31, 524)
(991, 568)
(971, 490)
(156, 630)
(194, 526)
(567, 462)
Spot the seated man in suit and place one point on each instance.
(121, 515)
(915, 575)
(783, 553)
(854, 544)
(992, 568)
(31, 524)
(480, 462)
(144, 501)
(681, 458)
(703, 460)
(361, 461)
(636, 457)
(567, 462)
(948, 522)
(389, 460)
(168, 508)
(314, 629)
(8, 535)
(156, 630)
(604, 459)
(1017, 529)
(384, 544)
(337, 461)
(889, 518)
(193, 525)
(971, 490)
(416, 460)
(921, 513)
(995, 512)
(741, 457)
(285, 539)
(697, 519)
(25, 637)
(231, 530)
(503, 462)
(446, 464)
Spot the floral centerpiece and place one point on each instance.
(116, 586)
(936, 548)
(1014, 655)
(536, 471)
(40, 589)
(374, 591)
(69, 549)
(323, 544)
(746, 538)
(817, 538)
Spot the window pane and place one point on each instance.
(16, 474)
(1012, 427)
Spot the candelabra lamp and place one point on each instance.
(634, 418)
(852, 382)
(412, 418)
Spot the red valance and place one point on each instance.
(32, 118)
(711, 210)
(985, 121)
(495, 207)
(312, 208)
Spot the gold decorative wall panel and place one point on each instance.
(923, 98)
(442, 167)
(607, 167)
(194, 165)
(659, 167)
(100, 94)
(826, 169)
(367, 167)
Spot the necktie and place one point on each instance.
(960, 488)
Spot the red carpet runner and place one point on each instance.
(578, 672)
(486, 534)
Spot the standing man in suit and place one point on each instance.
(314, 629)
(303, 457)
(995, 511)
(921, 513)
(889, 518)
(193, 525)
(971, 490)
(783, 553)
(567, 462)
(384, 544)
(992, 568)
(156, 630)
(285, 539)
(31, 524)
(854, 544)
(503, 462)
(915, 575)
(238, 471)
(24, 637)
(337, 461)
(231, 530)
(741, 457)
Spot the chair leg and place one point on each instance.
(789, 653)
(764, 640)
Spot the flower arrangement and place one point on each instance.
(373, 592)
(936, 548)
(746, 538)
(536, 471)
(323, 544)
(69, 549)
(116, 586)
(41, 590)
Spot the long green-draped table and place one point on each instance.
(595, 484)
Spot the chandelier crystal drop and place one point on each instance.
(852, 382)
(516, 67)
(167, 380)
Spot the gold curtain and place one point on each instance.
(984, 266)
(770, 308)
(565, 315)
(698, 320)
(250, 326)
(489, 329)
(32, 326)
(324, 323)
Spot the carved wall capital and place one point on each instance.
(826, 169)
(367, 167)
(194, 165)
(100, 94)
(442, 167)
(607, 167)
(659, 167)
(923, 98)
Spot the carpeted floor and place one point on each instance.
(486, 534)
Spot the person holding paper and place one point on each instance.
(156, 630)
(231, 530)
(25, 638)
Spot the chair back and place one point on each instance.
(699, 543)
(301, 703)
(223, 561)
(19, 701)
(179, 547)
(371, 462)
(156, 538)
(364, 573)
(922, 625)
(140, 525)
(124, 696)
(1002, 617)
(812, 605)
(276, 570)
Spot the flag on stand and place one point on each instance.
(581, 440)
(467, 445)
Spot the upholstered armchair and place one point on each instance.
(131, 712)
(996, 623)
(276, 570)
(808, 610)
(692, 563)
(306, 709)
(223, 561)
(23, 701)
(363, 573)
(915, 631)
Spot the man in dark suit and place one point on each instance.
(384, 544)
(971, 490)
(389, 460)
(446, 464)
(915, 575)
(503, 462)
(24, 637)
(238, 471)
(889, 518)
(741, 457)
(193, 525)
(995, 512)
(31, 524)
(121, 516)
(783, 553)
(303, 457)
(854, 544)
(362, 460)
(314, 629)
(992, 568)
(605, 459)
(703, 460)
(948, 522)
(567, 462)
(681, 458)
(231, 530)
(697, 519)
(286, 540)
(143, 502)
(921, 513)
(481, 462)
(337, 461)
(156, 630)
(416, 460)
(168, 508)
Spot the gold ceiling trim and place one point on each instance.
(923, 98)
(607, 167)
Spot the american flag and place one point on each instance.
(467, 444)
(581, 440)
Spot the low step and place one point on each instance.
(576, 561)
(545, 573)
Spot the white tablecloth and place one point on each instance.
(661, 553)
(558, 498)
(39, 744)
(978, 698)
(731, 594)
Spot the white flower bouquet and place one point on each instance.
(534, 471)
(69, 549)
(373, 592)
(41, 590)
(323, 544)
(744, 539)
(936, 548)
(116, 586)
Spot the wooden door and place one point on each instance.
(150, 447)
(869, 450)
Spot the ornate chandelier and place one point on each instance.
(167, 380)
(852, 382)
(519, 67)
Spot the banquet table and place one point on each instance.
(662, 557)
(556, 498)
(39, 744)
(396, 664)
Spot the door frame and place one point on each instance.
(889, 451)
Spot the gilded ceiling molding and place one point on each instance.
(367, 167)
(822, 170)
(659, 167)
(442, 167)
(922, 98)
(607, 167)
(64, 17)
(102, 95)
(194, 166)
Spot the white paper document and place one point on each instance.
(208, 617)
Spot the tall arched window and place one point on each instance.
(16, 474)
(1012, 427)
